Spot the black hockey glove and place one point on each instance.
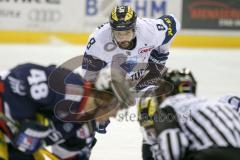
(28, 139)
(155, 69)
(101, 127)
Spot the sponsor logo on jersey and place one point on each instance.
(144, 50)
(83, 132)
(128, 65)
(137, 75)
(169, 21)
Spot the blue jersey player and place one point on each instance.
(38, 104)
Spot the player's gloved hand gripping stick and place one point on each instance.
(28, 138)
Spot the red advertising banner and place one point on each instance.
(211, 14)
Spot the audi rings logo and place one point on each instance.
(43, 15)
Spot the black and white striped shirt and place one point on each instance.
(200, 124)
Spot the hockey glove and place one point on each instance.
(155, 70)
(28, 139)
(101, 127)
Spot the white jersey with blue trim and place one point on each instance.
(150, 34)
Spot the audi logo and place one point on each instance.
(43, 15)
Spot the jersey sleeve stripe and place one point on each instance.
(171, 24)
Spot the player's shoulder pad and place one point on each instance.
(98, 38)
(24, 69)
(172, 25)
(101, 30)
(23, 76)
(103, 26)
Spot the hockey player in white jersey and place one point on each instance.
(132, 44)
(182, 126)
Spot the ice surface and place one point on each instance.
(217, 72)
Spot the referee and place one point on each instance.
(186, 127)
